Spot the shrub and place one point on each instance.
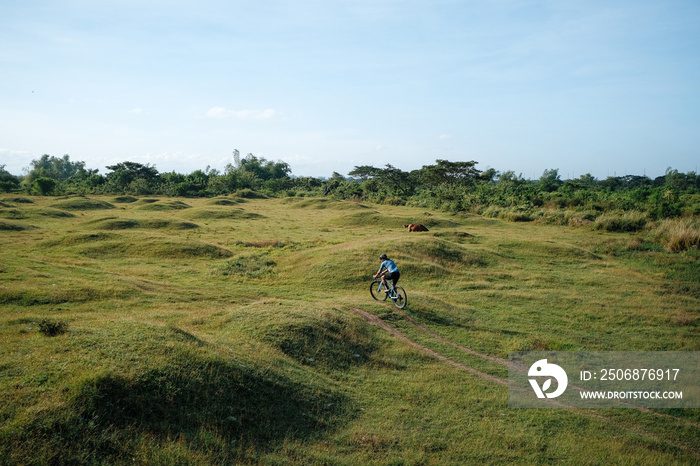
(516, 214)
(8, 186)
(45, 186)
(680, 234)
(630, 221)
(395, 200)
(491, 211)
(51, 328)
(251, 266)
(578, 218)
(249, 194)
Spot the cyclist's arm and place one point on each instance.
(381, 267)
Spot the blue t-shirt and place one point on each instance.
(389, 265)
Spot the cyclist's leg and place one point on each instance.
(395, 278)
(386, 285)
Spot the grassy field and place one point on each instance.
(215, 331)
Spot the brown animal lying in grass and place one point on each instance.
(415, 227)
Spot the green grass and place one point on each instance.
(82, 203)
(221, 331)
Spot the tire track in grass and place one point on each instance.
(374, 320)
(504, 362)
(424, 329)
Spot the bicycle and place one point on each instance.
(397, 294)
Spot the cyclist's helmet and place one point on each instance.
(383, 257)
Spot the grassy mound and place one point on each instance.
(547, 250)
(370, 218)
(155, 224)
(14, 226)
(238, 214)
(14, 214)
(328, 340)
(124, 199)
(427, 258)
(418, 257)
(446, 252)
(216, 405)
(164, 205)
(322, 203)
(248, 265)
(17, 214)
(104, 245)
(60, 293)
(311, 266)
(459, 236)
(82, 203)
(19, 200)
(164, 249)
(226, 201)
(54, 213)
(74, 240)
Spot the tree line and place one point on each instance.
(445, 185)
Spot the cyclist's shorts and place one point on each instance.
(393, 276)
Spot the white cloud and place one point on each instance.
(443, 137)
(137, 111)
(221, 112)
(15, 161)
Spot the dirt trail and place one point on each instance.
(373, 319)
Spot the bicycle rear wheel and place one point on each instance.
(401, 300)
(377, 292)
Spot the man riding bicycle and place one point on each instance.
(391, 271)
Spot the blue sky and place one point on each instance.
(601, 87)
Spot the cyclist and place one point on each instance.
(392, 272)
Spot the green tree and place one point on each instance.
(550, 180)
(446, 173)
(133, 170)
(307, 183)
(123, 174)
(8, 182)
(402, 182)
(264, 169)
(489, 175)
(59, 169)
(688, 182)
(44, 186)
(365, 172)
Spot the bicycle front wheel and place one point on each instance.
(377, 290)
(401, 300)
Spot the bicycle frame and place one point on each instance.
(392, 291)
